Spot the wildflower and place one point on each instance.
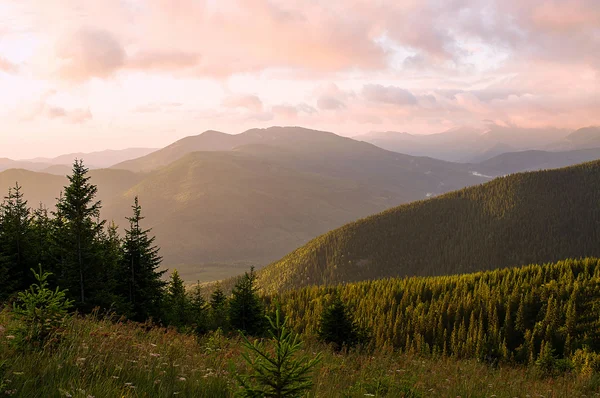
(182, 379)
(10, 337)
(152, 354)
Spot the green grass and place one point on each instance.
(104, 358)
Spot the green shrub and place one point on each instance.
(40, 312)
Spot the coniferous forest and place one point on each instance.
(74, 286)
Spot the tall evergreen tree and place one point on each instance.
(177, 305)
(246, 312)
(198, 310)
(144, 287)
(78, 213)
(15, 239)
(41, 232)
(218, 309)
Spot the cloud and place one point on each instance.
(71, 116)
(88, 53)
(249, 102)
(163, 60)
(285, 111)
(388, 95)
(330, 103)
(44, 108)
(157, 107)
(7, 66)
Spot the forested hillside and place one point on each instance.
(520, 219)
(518, 314)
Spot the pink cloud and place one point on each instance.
(7, 66)
(250, 102)
(388, 95)
(89, 53)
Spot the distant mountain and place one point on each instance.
(467, 144)
(272, 191)
(100, 159)
(520, 219)
(515, 162)
(6, 164)
(208, 141)
(226, 207)
(584, 138)
(39, 187)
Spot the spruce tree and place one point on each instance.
(41, 242)
(246, 312)
(218, 309)
(337, 326)
(198, 310)
(143, 286)
(278, 372)
(177, 305)
(15, 239)
(78, 213)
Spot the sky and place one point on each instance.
(85, 75)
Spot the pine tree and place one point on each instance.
(281, 373)
(218, 309)
(198, 310)
(246, 312)
(177, 305)
(78, 213)
(15, 239)
(142, 285)
(110, 246)
(41, 232)
(337, 326)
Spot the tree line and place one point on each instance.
(85, 254)
(516, 314)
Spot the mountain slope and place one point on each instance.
(520, 219)
(231, 207)
(38, 187)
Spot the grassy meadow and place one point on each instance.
(101, 357)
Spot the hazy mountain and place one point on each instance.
(252, 197)
(208, 141)
(100, 159)
(584, 138)
(45, 188)
(514, 162)
(467, 144)
(6, 164)
(520, 219)
(275, 190)
(229, 207)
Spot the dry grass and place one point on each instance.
(107, 358)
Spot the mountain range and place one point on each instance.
(216, 199)
(476, 144)
(58, 165)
